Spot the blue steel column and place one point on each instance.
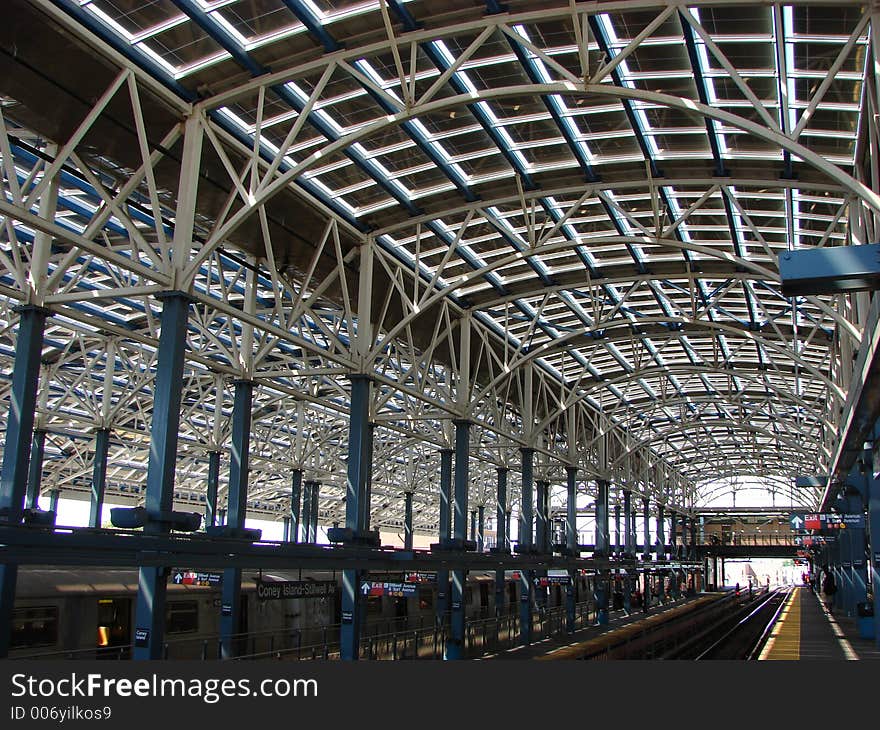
(367, 476)
(677, 554)
(445, 525)
(541, 490)
(661, 551)
(500, 536)
(315, 512)
(481, 524)
(629, 548)
(618, 543)
(455, 645)
(213, 488)
(542, 516)
(526, 517)
(845, 586)
(230, 606)
(629, 535)
(646, 529)
(150, 612)
(16, 455)
(873, 486)
(355, 493)
(295, 497)
(286, 521)
(54, 496)
(473, 524)
(660, 546)
(307, 511)
(408, 521)
(35, 470)
(857, 503)
(99, 476)
(571, 544)
(853, 502)
(603, 544)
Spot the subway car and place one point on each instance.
(90, 612)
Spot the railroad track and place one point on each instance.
(737, 636)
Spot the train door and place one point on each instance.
(511, 597)
(484, 599)
(401, 610)
(114, 622)
(243, 615)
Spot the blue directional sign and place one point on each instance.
(796, 520)
(193, 578)
(381, 588)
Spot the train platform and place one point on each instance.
(616, 620)
(807, 631)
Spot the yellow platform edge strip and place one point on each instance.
(784, 642)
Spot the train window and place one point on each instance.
(374, 605)
(35, 626)
(426, 598)
(182, 617)
(468, 595)
(114, 621)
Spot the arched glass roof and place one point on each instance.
(598, 191)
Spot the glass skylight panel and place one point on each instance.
(614, 43)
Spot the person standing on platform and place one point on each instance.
(829, 588)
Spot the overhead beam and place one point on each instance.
(830, 270)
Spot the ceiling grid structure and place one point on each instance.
(601, 190)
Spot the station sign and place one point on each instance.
(810, 540)
(843, 522)
(281, 589)
(395, 590)
(192, 578)
(552, 580)
(420, 578)
(833, 521)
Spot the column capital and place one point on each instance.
(21, 308)
(174, 293)
(462, 422)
